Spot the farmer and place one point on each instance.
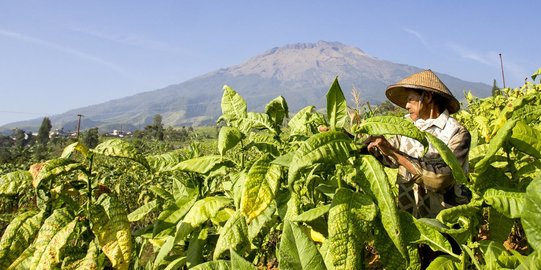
(425, 183)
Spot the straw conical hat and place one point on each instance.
(425, 80)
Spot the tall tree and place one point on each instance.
(495, 89)
(91, 137)
(158, 127)
(44, 130)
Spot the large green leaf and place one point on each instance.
(77, 146)
(228, 138)
(508, 203)
(200, 212)
(89, 261)
(329, 147)
(18, 235)
(52, 168)
(14, 183)
(265, 143)
(277, 110)
(203, 164)
(174, 213)
(421, 233)
(526, 139)
(254, 120)
(142, 211)
(111, 226)
(380, 189)
(297, 251)
(255, 226)
(389, 255)
(391, 125)
(120, 148)
(458, 221)
(233, 105)
(533, 261)
(260, 187)
(195, 252)
(326, 253)
(337, 109)
(312, 214)
(495, 144)
(448, 157)
(299, 123)
(51, 238)
(166, 162)
(349, 219)
(233, 235)
(499, 226)
(239, 263)
(531, 216)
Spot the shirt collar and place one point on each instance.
(439, 121)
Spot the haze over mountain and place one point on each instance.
(302, 73)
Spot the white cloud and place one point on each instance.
(133, 40)
(67, 50)
(513, 71)
(418, 35)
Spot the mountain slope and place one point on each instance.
(302, 73)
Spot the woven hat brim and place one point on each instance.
(397, 94)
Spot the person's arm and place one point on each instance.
(432, 173)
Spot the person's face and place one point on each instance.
(413, 104)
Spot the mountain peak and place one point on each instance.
(300, 72)
(293, 61)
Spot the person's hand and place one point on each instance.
(379, 144)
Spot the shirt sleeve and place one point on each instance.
(433, 173)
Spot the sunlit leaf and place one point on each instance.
(51, 238)
(18, 235)
(77, 146)
(297, 251)
(260, 187)
(526, 139)
(329, 147)
(448, 157)
(391, 125)
(508, 203)
(15, 183)
(142, 211)
(111, 226)
(203, 164)
(277, 110)
(531, 216)
(495, 144)
(233, 235)
(380, 189)
(228, 138)
(166, 162)
(233, 105)
(336, 106)
(120, 148)
(52, 168)
(349, 219)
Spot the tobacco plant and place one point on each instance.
(278, 193)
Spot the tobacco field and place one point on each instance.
(272, 192)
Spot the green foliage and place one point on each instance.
(43, 132)
(266, 194)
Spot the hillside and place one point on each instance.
(302, 73)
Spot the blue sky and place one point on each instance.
(61, 55)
